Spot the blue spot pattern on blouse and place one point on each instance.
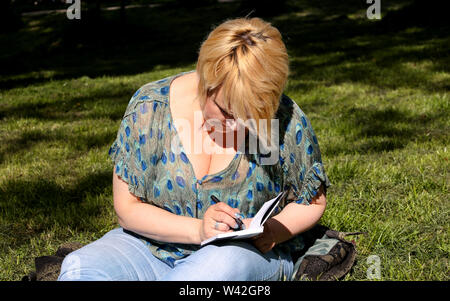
(150, 157)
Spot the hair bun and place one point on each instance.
(247, 36)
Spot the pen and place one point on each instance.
(238, 220)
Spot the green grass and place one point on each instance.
(376, 93)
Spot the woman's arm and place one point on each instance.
(292, 220)
(158, 224)
(151, 221)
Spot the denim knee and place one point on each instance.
(233, 261)
(116, 256)
(72, 269)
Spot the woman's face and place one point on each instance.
(216, 116)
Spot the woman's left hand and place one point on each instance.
(265, 241)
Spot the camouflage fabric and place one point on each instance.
(329, 258)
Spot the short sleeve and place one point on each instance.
(132, 149)
(301, 154)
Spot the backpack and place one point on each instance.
(326, 256)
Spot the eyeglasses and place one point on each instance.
(230, 121)
(225, 113)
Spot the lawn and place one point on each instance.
(376, 92)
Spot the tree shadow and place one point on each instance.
(167, 35)
(333, 50)
(380, 130)
(171, 35)
(69, 108)
(58, 204)
(30, 138)
(67, 111)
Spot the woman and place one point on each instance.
(187, 137)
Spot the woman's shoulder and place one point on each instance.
(151, 94)
(296, 131)
(289, 109)
(291, 117)
(155, 90)
(300, 154)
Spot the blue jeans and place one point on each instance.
(120, 256)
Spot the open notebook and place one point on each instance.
(256, 226)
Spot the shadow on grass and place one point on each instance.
(357, 49)
(53, 204)
(30, 138)
(65, 112)
(167, 35)
(68, 109)
(331, 48)
(380, 130)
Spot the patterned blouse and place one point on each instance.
(161, 175)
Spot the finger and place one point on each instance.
(223, 217)
(247, 222)
(222, 227)
(227, 209)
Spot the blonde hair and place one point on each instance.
(247, 58)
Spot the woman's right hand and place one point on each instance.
(221, 213)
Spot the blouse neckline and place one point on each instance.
(206, 177)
